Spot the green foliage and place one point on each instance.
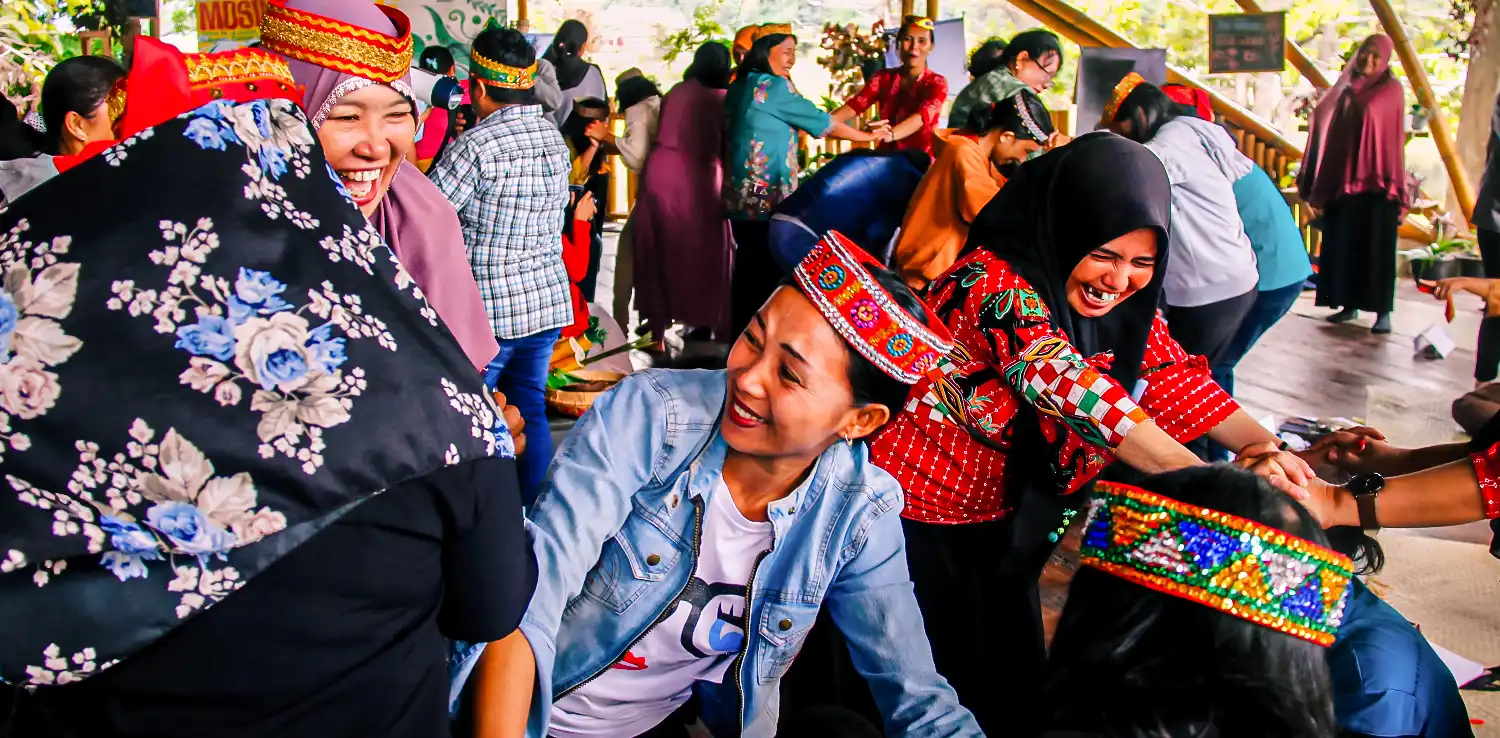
(32, 40)
(705, 27)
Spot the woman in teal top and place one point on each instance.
(760, 161)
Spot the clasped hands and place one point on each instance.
(1354, 450)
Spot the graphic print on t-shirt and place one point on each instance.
(697, 638)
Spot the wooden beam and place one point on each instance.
(1086, 31)
(932, 10)
(908, 7)
(523, 16)
(1295, 54)
(1417, 75)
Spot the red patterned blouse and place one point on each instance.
(900, 98)
(1010, 359)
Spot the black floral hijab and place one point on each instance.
(208, 356)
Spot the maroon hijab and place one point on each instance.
(414, 218)
(1357, 136)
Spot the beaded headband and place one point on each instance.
(917, 21)
(1029, 122)
(835, 277)
(325, 42)
(1117, 98)
(496, 74)
(1234, 565)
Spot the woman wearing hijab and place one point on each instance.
(765, 116)
(366, 122)
(256, 487)
(576, 78)
(1053, 311)
(1354, 176)
(683, 253)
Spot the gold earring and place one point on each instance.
(846, 438)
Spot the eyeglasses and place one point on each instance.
(1051, 73)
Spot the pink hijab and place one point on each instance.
(1357, 136)
(414, 218)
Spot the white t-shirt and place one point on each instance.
(697, 642)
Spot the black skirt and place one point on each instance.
(1357, 267)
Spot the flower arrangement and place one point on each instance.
(850, 53)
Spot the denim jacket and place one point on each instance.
(634, 479)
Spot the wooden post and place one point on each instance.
(908, 7)
(523, 16)
(932, 10)
(1417, 75)
(1294, 53)
(87, 39)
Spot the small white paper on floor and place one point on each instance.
(1464, 670)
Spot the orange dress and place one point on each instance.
(960, 183)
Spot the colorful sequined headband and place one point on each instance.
(496, 74)
(917, 21)
(1234, 565)
(834, 276)
(1024, 110)
(1117, 98)
(325, 42)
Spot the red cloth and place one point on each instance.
(1005, 341)
(1357, 137)
(576, 261)
(1193, 97)
(900, 99)
(1487, 468)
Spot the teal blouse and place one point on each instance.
(760, 159)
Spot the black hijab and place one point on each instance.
(1061, 206)
(564, 54)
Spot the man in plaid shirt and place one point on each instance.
(508, 179)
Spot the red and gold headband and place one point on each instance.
(1117, 98)
(772, 29)
(320, 40)
(164, 83)
(835, 276)
(1232, 564)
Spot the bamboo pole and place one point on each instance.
(523, 16)
(1417, 75)
(1086, 31)
(908, 7)
(1294, 53)
(932, 10)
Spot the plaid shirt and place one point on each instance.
(508, 179)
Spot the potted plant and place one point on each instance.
(1454, 257)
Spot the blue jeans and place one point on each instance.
(520, 371)
(1269, 307)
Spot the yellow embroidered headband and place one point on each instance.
(495, 74)
(918, 22)
(1117, 98)
(772, 29)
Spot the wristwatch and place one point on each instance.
(1365, 487)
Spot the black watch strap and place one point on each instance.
(1365, 488)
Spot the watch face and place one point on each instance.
(1366, 484)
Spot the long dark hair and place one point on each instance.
(712, 66)
(1148, 109)
(758, 59)
(1006, 116)
(567, 44)
(1131, 662)
(78, 85)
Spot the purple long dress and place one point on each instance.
(683, 251)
